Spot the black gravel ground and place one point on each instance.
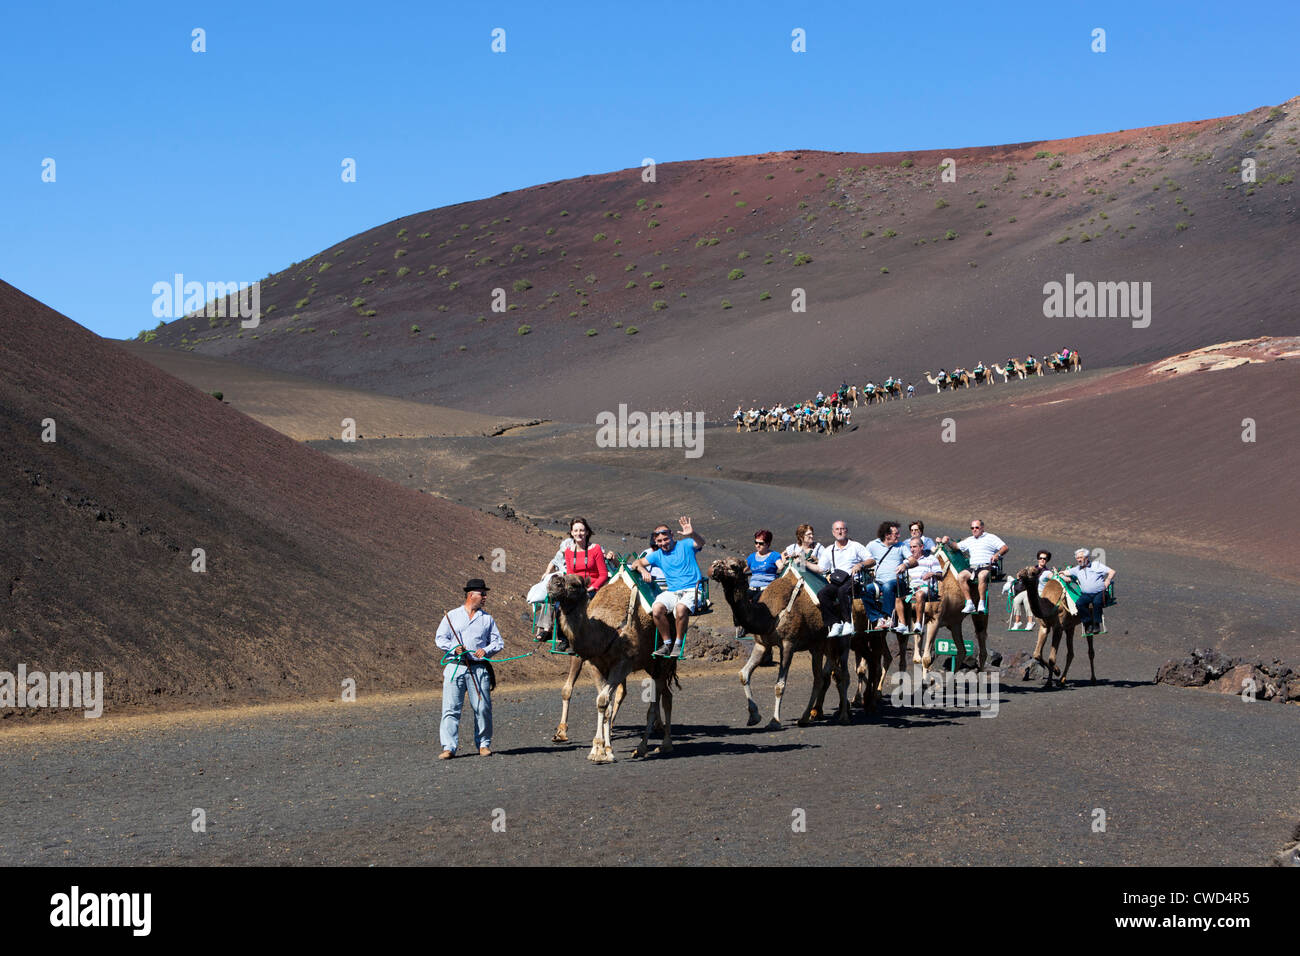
(1184, 777)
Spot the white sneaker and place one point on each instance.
(969, 608)
(902, 629)
(982, 609)
(916, 629)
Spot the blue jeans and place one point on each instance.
(1089, 606)
(888, 591)
(455, 680)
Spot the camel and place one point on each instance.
(947, 613)
(852, 393)
(786, 615)
(617, 636)
(939, 383)
(872, 393)
(959, 378)
(1053, 613)
(1073, 363)
(1033, 366)
(893, 388)
(983, 374)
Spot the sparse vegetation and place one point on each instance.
(631, 330)
(302, 303)
(590, 332)
(522, 285)
(764, 296)
(657, 284)
(659, 305)
(950, 234)
(415, 330)
(906, 164)
(599, 237)
(402, 270)
(889, 234)
(940, 204)
(323, 267)
(525, 329)
(1042, 154)
(802, 258)
(736, 274)
(1180, 227)
(726, 303)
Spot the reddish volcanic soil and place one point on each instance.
(906, 273)
(316, 572)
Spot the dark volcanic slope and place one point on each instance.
(316, 572)
(966, 260)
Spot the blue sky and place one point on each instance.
(225, 165)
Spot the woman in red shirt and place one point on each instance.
(583, 558)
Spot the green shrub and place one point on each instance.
(522, 285)
(802, 258)
(218, 396)
(940, 204)
(631, 284)
(630, 330)
(1180, 227)
(1056, 164)
(403, 270)
(726, 303)
(1042, 154)
(889, 233)
(736, 274)
(358, 302)
(525, 329)
(906, 164)
(323, 267)
(415, 330)
(656, 284)
(981, 204)
(590, 332)
(599, 237)
(366, 281)
(659, 305)
(368, 313)
(401, 233)
(950, 234)
(884, 271)
(765, 296)
(303, 303)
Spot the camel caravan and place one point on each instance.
(629, 614)
(829, 413)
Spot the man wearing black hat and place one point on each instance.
(469, 635)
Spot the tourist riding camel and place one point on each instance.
(982, 549)
(681, 577)
(887, 558)
(841, 561)
(1093, 577)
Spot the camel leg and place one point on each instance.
(819, 679)
(620, 692)
(927, 656)
(842, 683)
(982, 637)
(597, 754)
(1092, 667)
(1042, 640)
(666, 698)
(860, 665)
(745, 673)
(1052, 669)
(562, 731)
(1069, 653)
(787, 652)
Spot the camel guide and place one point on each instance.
(469, 636)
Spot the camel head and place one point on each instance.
(1028, 575)
(567, 591)
(729, 571)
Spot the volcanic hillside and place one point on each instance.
(902, 272)
(315, 572)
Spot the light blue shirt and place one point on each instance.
(1091, 577)
(888, 558)
(481, 632)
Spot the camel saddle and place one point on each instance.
(813, 581)
(645, 592)
(1072, 592)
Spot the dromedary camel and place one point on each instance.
(939, 383)
(617, 636)
(983, 375)
(786, 616)
(1053, 613)
(1072, 362)
(947, 613)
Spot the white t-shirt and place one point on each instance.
(981, 549)
(842, 559)
(926, 562)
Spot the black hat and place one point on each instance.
(476, 584)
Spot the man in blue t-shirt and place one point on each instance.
(681, 576)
